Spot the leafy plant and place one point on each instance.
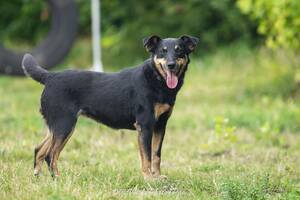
(224, 131)
(279, 21)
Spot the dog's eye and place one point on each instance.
(165, 49)
(177, 48)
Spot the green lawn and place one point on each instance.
(234, 134)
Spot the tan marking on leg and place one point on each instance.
(38, 147)
(137, 127)
(41, 153)
(157, 139)
(145, 163)
(155, 160)
(159, 109)
(53, 153)
(57, 146)
(66, 140)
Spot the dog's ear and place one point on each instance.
(190, 42)
(150, 43)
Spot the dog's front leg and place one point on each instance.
(157, 141)
(144, 142)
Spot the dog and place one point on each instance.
(139, 98)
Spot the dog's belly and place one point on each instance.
(116, 120)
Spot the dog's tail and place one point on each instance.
(31, 68)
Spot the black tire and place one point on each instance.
(52, 50)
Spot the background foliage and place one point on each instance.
(125, 23)
(217, 23)
(278, 20)
(25, 20)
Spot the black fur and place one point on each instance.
(31, 68)
(118, 100)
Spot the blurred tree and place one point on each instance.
(25, 20)
(278, 20)
(215, 22)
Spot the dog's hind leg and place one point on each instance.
(62, 131)
(40, 153)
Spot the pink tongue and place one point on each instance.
(172, 80)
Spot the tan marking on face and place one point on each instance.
(182, 62)
(159, 64)
(191, 47)
(159, 109)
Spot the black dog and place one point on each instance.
(139, 98)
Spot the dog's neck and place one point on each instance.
(157, 82)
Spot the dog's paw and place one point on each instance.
(36, 172)
(160, 177)
(155, 177)
(148, 177)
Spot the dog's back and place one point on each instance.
(108, 98)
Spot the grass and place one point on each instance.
(223, 141)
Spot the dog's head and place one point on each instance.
(170, 56)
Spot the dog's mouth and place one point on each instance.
(170, 75)
(171, 79)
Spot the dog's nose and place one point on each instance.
(171, 65)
